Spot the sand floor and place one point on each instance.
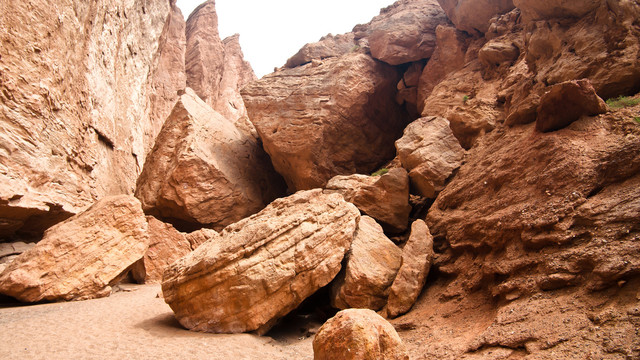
(131, 324)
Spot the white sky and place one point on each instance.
(271, 31)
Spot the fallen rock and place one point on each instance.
(166, 245)
(473, 16)
(417, 256)
(82, 257)
(358, 334)
(431, 153)
(262, 267)
(336, 118)
(497, 52)
(329, 46)
(533, 10)
(371, 265)
(566, 103)
(204, 171)
(384, 198)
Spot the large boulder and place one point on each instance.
(74, 97)
(417, 256)
(473, 16)
(262, 267)
(371, 266)
(358, 334)
(335, 118)
(431, 153)
(384, 198)
(82, 257)
(204, 171)
(328, 46)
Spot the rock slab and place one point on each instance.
(82, 257)
(262, 267)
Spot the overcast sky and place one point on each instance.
(271, 31)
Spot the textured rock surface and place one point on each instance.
(337, 118)
(473, 16)
(550, 9)
(81, 257)
(358, 334)
(73, 100)
(203, 170)
(371, 265)
(384, 198)
(166, 245)
(404, 32)
(328, 46)
(430, 152)
(417, 256)
(566, 103)
(262, 267)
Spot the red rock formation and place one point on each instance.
(328, 46)
(473, 16)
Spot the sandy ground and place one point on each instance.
(132, 324)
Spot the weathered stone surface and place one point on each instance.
(73, 100)
(473, 16)
(497, 52)
(551, 9)
(81, 257)
(197, 238)
(10, 251)
(328, 46)
(567, 102)
(384, 198)
(358, 334)
(372, 264)
(262, 267)
(203, 170)
(166, 245)
(430, 152)
(417, 256)
(336, 118)
(404, 32)
(408, 88)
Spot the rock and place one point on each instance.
(358, 334)
(566, 103)
(473, 16)
(448, 57)
(262, 267)
(497, 52)
(430, 152)
(372, 264)
(404, 32)
(550, 9)
(166, 245)
(384, 198)
(408, 88)
(82, 257)
(417, 256)
(73, 105)
(204, 171)
(328, 46)
(336, 118)
(15, 248)
(201, 236)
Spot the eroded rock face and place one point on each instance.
(551, 9)
(566, 103)
(82, 257)
(417, 256)
(262, 267)
(430, 152)
(385, 198)
(328, 46)
(473, 16)
(371, 266)
(336, 118)
(203, 170)
(166, 245)
(358, 334)
(73, 100)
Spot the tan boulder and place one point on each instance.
(384, 198)
(82, 257)
(336, 118)
(328, 46)
(358, 334)
(417, 257)
(166, 245)
(473, 16)
(430, 152)
(199, 237)
(497, 52)
(550, 9)
(372, 264)
(203, 170)
(567, 102)
(262, 267)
